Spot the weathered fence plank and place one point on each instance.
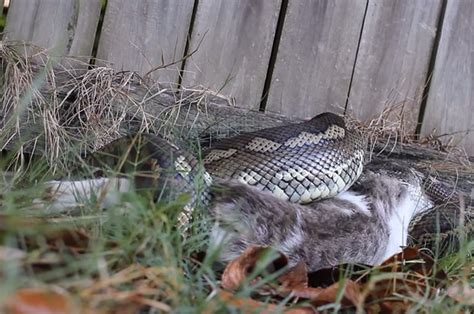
(450, 104)
(393, 58)
(316, 56)
(233, 57)
(144, 35)
(65, 27)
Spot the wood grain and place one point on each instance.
(393, 57)
(64, 27)
(143, 35)
(450, 104)
(316, 56)
(237, 38)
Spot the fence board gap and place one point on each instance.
(393, 59)
(188, 42)
(65, 28)
(236, 37)
(273, 55)
(98, 32)
(450, 104)
(315, 57)
(429, 76)
(356, 56)
(144, 36)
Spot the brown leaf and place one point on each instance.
(320, 296)
(35, 300)
(392, 306)
(417, 265)
(395, 306)
(75, 239)
(408, 253)
(248, 305)
(295, 277)
(245, 305)
(327, 276)
(462, 293)
(383, 295)
(239, 269)
(401, 286)
(300, 310)
(405, 261)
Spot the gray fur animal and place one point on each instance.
(366, 224)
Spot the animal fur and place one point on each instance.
(364, 225)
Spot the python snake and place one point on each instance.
(300, 163)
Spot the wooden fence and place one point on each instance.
(294, 57)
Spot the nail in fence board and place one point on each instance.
(64, 27)
(450, 104)
(233, 57)
(315, 57)
(393, 58)
(143, 35)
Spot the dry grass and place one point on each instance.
(52, 107)
(391, 133)
(62, 109)
(393, 127)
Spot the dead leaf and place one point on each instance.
(384, 295)
(402, 274)
(415, 277)
(55, 301)
(245, 305)
(401, 286)
(75, 239)
(395, 306)
(36, 300)
(462, 292)
(238, 270)
(392, 306)
(415, 264)
(300, 310)
(320, 296)
(145, 288)
(248, 305)
(328, 276)
(410, 259)
(295, 277)
(408, 253)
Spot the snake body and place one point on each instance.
(300, 162)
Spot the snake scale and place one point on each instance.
(300, 163)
